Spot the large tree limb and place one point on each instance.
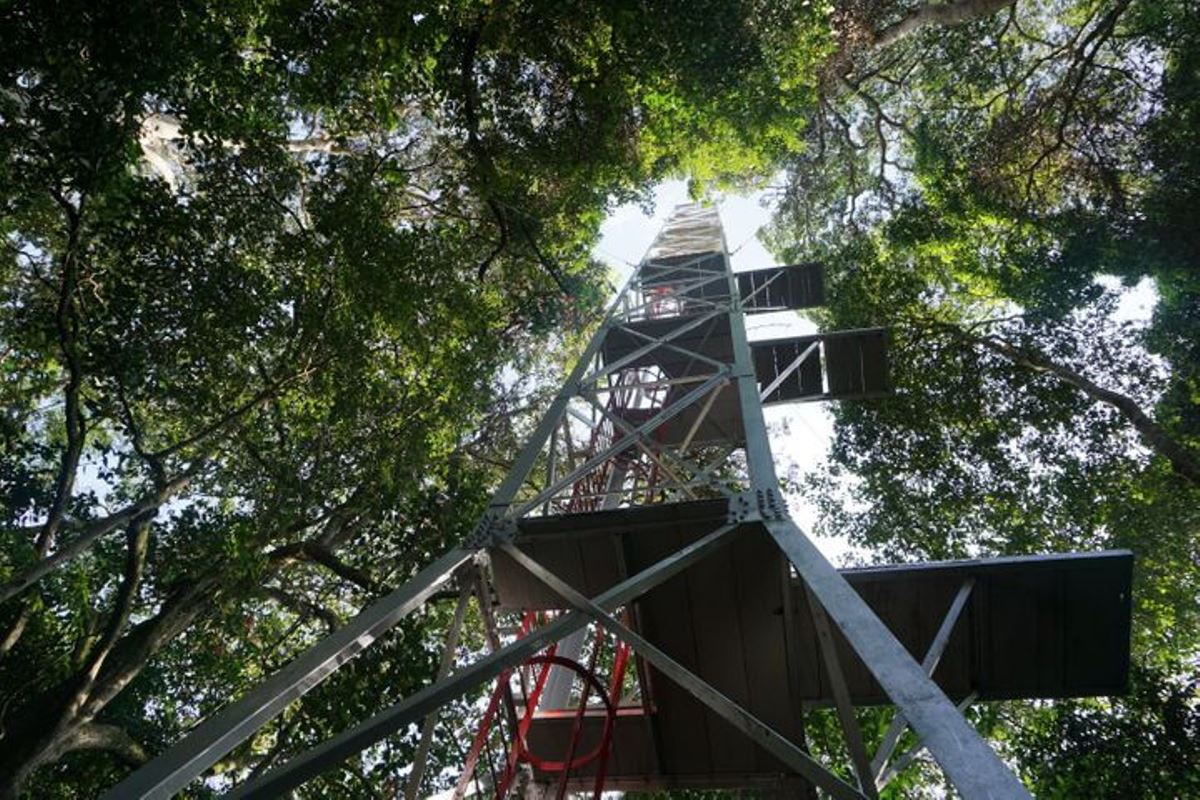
(152, 501)
(110, 738)
(1185, 463)
(147, 506)
(304, 607)
(319, 554)
(137, 546)
(946, 15)
(30, 743)
(66, 323)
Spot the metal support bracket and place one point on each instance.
(756, 505)
(493, 529)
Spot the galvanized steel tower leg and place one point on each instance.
(972, 766)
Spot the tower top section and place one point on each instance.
(691, 229)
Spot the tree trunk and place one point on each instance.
(59, 721)
(946, 15)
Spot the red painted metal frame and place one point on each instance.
(588, 493)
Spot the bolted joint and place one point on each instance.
(743, 507)
(493, 529)
(771, 504)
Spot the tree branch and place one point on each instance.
(946, 15)
(304, 607)
(110, 738)
(319, 554)
(1185, 463)
(146, 507)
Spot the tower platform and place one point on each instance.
(1049, 626)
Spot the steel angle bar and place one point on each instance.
(641, 351)
(208, 742)
(841, 698)
(579, 416)
(908, 756)
(792, 367)
(643, 442)
(533, 446)
(677, 291)
(421, 759)
(663, 384)
(758, 731)
(703, 415)
(313, 762)
(970, 764)
(683, 266)
(666, 345)
(933, 655)
(662, 416)
(709, 469)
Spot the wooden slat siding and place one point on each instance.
(955, 671)
(772, 358)
(599, 563)
(549, 541)
(797, 286)
(1014, 654)
(547, 738)
(856, 363)
(807, 644)
(759, 601)
(1052, 635)
(791, 634)
(983, 668)
(680, 719)
(723, 422)
(717, 631)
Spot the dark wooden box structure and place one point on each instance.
(1034, 627)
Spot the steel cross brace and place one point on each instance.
(313, 762)
(665, 414)
(208, 742)
(841, 697)
(933, 656)
(761, 733)
(973, 767)
(651, 448)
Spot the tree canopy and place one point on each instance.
(270, 266)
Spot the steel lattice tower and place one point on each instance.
(645, 504)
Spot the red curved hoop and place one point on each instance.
(609, 718)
